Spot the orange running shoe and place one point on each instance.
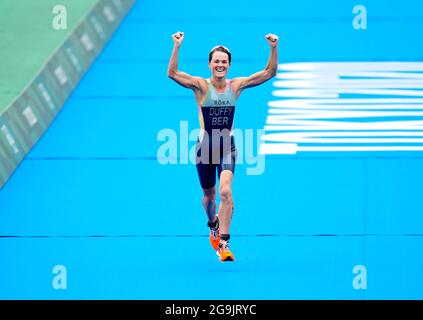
(224, 252)
(214, 235)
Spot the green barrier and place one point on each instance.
(24, 121)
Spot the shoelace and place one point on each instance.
(215, 232)
(224, 246)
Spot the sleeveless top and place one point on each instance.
(216, 114)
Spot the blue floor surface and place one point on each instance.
(92, 196)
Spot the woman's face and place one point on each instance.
(219, 64)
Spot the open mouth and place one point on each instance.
(220, 69)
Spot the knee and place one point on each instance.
(225, 193)
(209, 195)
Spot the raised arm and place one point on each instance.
(184, 79)
(264, 75)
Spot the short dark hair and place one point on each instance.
(221, 49)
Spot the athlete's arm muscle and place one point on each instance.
(184, 79)
(262, 76)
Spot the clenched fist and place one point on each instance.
(272, 39)
(177, 38)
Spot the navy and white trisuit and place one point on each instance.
(215, 146)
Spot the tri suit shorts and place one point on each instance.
(217, 155)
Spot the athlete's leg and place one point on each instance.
(225, 215)
(225, 208)
(207, 176)
(226, 170)
(209, 204)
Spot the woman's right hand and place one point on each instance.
(177, 38)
